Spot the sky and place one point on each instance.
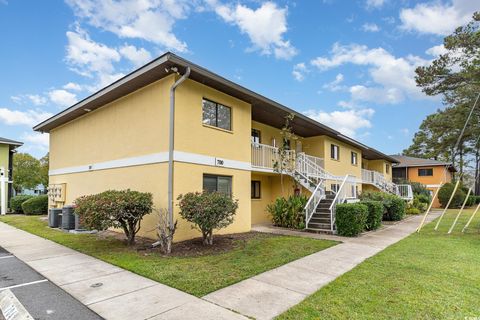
(347, 64)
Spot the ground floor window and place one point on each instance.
(256, 190)
(215, 183)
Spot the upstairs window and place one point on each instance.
(387, 168)
(217, 115)
(428, 172)
(334, 152)
(354, 158)
(214, 183)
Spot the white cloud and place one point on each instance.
(335, 84)
(437, 17)
(348, 122)
(138, 56)
(299, 71)
(370, 27)
(375, 3)
(73, 86)
(62, 98)
(436, 51)
(27, 118)
(393, 77)
(36, 140)
(86, 56)
(35, 99)
(265, 26)
(150, 20)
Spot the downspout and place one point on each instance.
(171, 144)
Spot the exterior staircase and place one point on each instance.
(321, 218)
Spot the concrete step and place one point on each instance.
(321, 215)
(320, 220)
(316, 230)
(322, 210)
(319, 225)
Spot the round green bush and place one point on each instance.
(375, 214)
(17, 201)
(446, 191)
(36, 205)
(395, 208)
(350, 218)
(413, 210)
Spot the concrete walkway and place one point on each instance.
(271, 293)
(112, 292)
(115, 293)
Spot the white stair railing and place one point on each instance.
(317, 195)
(347, 190)
(405, 191)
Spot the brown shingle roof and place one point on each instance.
(406, 161)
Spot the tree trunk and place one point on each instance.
(207, 237)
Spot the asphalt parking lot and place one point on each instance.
(41, 298)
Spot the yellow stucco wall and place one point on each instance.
(4, 153)
(134, 125)
(189, 177)
(258, 206)
(147, 178)
(381, 166)
(269, 135)
(191, 135)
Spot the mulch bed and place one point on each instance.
(193, 247)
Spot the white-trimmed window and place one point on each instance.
(256, 189)
(215, 183)
(217, 115)
(334, 152)
(256, 136)
(354, 158)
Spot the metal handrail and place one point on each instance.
(313, 202)
(336, 199)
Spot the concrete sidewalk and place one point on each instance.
(112, 292)
(271, 293)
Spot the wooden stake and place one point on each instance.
(448, 204)
(471, 218)
(460, 212)
(429, 208)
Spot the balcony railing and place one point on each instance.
(267, 157)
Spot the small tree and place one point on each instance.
(26, 172)
(165, 231)
(208, 211)
(284, 162)
(119, 209)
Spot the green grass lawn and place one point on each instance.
(430, 275)
(197, 275)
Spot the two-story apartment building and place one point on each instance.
(172, 127)
(7, 149)
(431, 173)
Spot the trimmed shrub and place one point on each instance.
(470, 201)
(394, 206)
(413, 210)
(36, 205)
(17, 201)
(375, 214)
(118, 209)
(351, 218)
(477, 199)
(422, 198)
(208, 211)
(288, 212)
(446, 191)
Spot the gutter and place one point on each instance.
(171, 142)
